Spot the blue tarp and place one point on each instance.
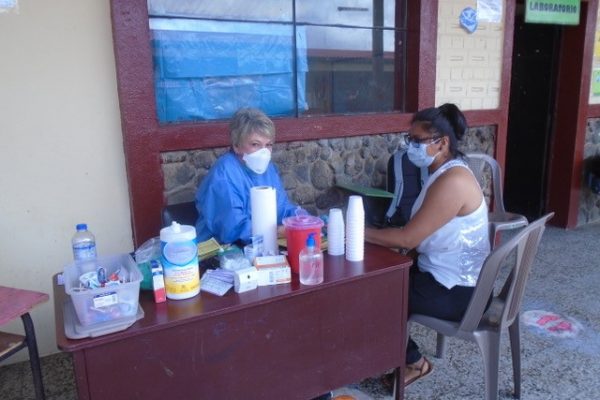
(206, 70)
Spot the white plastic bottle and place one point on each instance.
(311, 263)
(84, 244)
(179, 258)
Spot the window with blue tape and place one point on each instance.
(206, 70)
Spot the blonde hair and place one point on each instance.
(247, 121)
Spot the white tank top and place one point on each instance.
(455, 252)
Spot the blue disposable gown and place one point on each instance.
(223, 199)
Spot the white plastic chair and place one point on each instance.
(484, 326)
(499, 218)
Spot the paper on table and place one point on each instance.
(366, 191)
(208, 248)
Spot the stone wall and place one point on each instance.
(589, 202)
(310, 169)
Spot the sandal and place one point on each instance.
(422, 371)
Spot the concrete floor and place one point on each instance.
(559, 358)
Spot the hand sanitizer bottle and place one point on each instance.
(311, 263)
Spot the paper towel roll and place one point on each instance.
(263, 204)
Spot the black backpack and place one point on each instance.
(405, 180)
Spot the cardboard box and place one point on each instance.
(273, 270)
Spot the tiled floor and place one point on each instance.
(565, 281)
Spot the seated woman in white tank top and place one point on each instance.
(448, 226)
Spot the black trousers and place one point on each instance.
(427, 296)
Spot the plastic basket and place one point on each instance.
(110, 303)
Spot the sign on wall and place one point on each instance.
(595, 81)
(560, 12)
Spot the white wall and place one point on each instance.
(61, 148)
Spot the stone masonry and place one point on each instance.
(310, 169)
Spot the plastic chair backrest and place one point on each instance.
(524, 246)
(479, 164)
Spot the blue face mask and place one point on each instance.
(417, 154)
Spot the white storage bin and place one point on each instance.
(108, 303)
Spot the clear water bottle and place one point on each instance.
(84, 244)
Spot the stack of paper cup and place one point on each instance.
(355, 229)
(335, 232)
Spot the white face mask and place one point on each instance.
(417, 154)
(258, 161)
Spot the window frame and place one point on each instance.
(145, 139)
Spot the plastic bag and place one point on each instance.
(147, 252)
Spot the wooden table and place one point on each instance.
(17, 303)
(277, 342)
